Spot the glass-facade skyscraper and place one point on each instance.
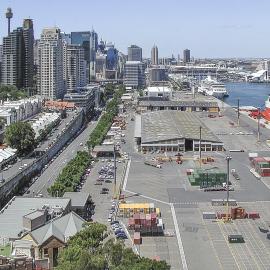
(83, 39)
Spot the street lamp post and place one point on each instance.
(114, 158)
(259, 117)
(200, 147)
(238, 112)
(228, 158)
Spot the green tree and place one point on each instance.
(71, 175)
(20, 136)
(11, 92)
(89, 250)
(109, 90)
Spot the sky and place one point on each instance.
(209, 28)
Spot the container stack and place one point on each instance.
(253, 215)
(261, 165)
(146, 224)
(238, 213)
(207, 178)
(130, 209)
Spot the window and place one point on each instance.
(45, 252)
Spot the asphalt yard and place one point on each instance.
(196, 243)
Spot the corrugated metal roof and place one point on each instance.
(11, 220)
(172, 125)
(138, 126)
(78, 199)
(175, 103)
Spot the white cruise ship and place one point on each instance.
(211, 87)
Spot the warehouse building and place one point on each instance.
(178, 105)
(173, 131)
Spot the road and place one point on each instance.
(13, 170)
(50, 174)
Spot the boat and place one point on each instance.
(266, 112)
(212, 87)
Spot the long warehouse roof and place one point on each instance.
(169, 125)
(192, 103)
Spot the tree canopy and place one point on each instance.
(71, 175)
(20, 136)
(11, 92)
(105, 122)
(89, 250)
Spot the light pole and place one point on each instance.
(238, 112)
(259, 117)
(114, 157)
(228, 158)
(200, 147)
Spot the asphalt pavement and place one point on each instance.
(15, 168)
(50, 174)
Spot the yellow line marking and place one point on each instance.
(212, 244)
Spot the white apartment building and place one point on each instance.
(14, 111)
(51, 77)
(75, 68)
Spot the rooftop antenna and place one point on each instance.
(9, 16)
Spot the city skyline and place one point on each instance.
(230, 29)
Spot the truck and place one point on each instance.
(153, 163)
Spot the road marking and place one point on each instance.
(211, 240)
(129, 237)
(179, 241)
(149, 198)
(126, 175)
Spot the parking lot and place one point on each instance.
(103, 202)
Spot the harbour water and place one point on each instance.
(249, 94)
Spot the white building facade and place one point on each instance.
(51, 77)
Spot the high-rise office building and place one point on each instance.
(112, 57)
(12, 69)
(18, 56)
(157, 74)
(154, 55)
(1, 53)
(51, 81)
(1, 57)
(83, 39)
(134, 53)
(28, 47)
(66, 37)
(186, 56)
(93, 50)
(100, 65)
(134, 74)
(75, 68)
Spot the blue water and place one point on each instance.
(249, 94)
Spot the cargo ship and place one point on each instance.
(264, 113)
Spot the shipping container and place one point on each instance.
(253, 215)
(137, 240)
(252, 155)
(220, 202)
(209, 215)
(236, 238)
